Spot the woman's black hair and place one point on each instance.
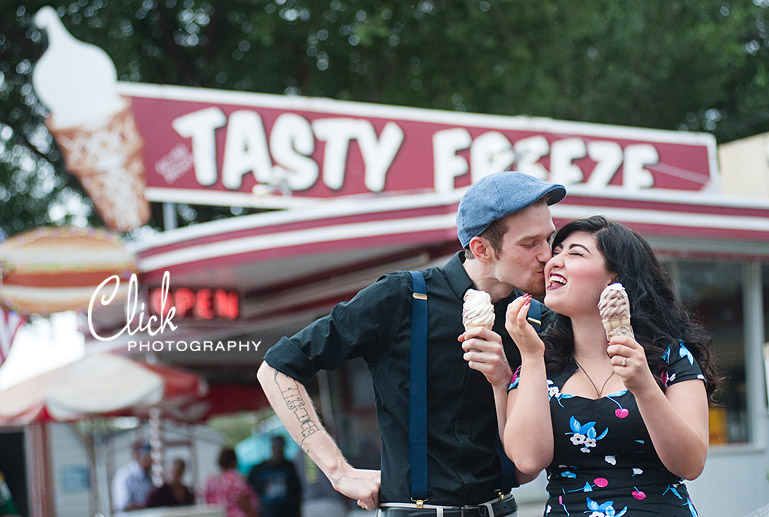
(658, 318)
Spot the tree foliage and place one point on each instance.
(671, 64)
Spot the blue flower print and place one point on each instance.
(684, 352)
(603, 510)
(552, 390)
(672, 488)
(691, 507)
(516, 378)
(666, 355)
(687, 503)
(584, 434)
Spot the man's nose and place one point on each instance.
(544, 253)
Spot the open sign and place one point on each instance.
(199, 303)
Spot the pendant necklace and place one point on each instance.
(597, 391)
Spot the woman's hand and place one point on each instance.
(520, 330)
(629, 361)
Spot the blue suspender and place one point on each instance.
(418, 389)
(534, 317)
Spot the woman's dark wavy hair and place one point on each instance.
(658, 318)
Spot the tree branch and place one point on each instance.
(183, 67)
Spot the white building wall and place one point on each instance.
(78, 492)
(734, 482)
(70, 474)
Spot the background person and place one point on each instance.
(616, 427)
(229, 490)
(277, 483)
(504, 225)
(318, 495)
(173, 492)
(133, 482)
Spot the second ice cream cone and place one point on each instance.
(614, 307)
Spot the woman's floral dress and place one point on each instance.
(604, 463)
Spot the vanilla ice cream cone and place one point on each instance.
(105, 155)
(614, 307)
(477, 311)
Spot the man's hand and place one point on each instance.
(484, 352)
(361, 485)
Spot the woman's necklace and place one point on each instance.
(597, 391)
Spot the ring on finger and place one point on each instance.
(624, 360)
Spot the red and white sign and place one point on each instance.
(233, 148)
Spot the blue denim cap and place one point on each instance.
(498, 195)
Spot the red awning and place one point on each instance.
(100, 385)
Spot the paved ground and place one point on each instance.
(531, 509)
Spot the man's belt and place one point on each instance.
(496, 508)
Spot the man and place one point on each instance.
(277, 483)
(504, 226)
(133, 483)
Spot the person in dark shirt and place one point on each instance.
(504, 226)
(277, 483)
(318, 495)
(173, 492)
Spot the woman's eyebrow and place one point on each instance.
(575, 245)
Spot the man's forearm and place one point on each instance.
(291, 402)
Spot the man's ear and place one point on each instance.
(482, 249)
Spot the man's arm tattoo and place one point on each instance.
(289, 389)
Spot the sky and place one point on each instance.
(41, 345)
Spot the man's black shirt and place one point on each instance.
(463, 466)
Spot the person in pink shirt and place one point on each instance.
(230, 490)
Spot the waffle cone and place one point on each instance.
(469, 326)
(106, 156)
(618, 327)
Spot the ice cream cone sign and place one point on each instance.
(58, 269)
(92, 124)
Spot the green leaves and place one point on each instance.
(684, 64)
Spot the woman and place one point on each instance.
(230, 490)
(617, 427)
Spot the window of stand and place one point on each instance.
(713, 292)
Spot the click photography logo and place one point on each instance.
(154, 329)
